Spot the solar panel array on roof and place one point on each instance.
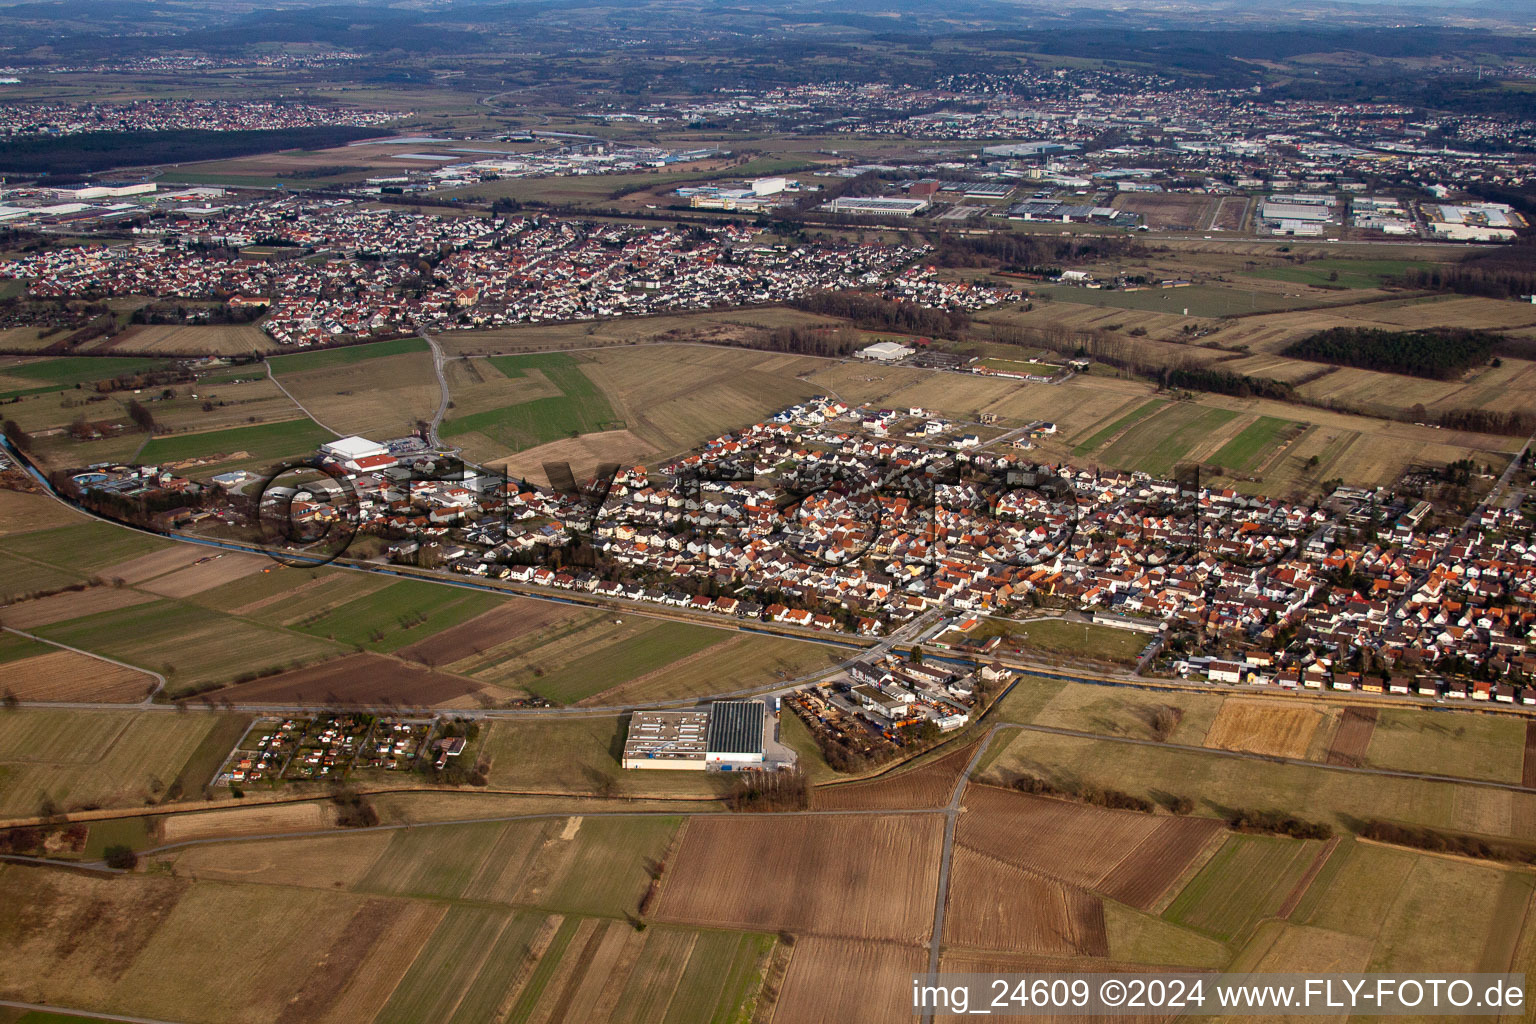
(735, 727)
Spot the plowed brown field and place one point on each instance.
(1353, 737)
(67, 676)
(1128, 855)
(994, 905)
(858, 876)
(839, 981)
(932, 785)
(355, 679)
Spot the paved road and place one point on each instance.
(951, 814)
(442, 384)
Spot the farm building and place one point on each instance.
(666, 739)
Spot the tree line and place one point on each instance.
(1438, 353)
(872, 312)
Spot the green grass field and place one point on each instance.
(483, 997)
(191, 645)
(400, 614)
(81, 548)
(579, 755)
(1472, 746)
(438, 862)
(446, 966)
(14, 648)
(71, 370)
(1330, 273)
(325, 359)
(1164, 439)
(1249, 447)
(1219, 784)
(660, 644)
(1068, 639)
(292, 438)
(580, 409)
(1122, 711)
(1139, 413)
(1248, 878)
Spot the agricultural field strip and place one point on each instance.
(1272, 759)
(159, 679)
(488, 820)
(85, 1016)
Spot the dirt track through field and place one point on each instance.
(1528, 770)
(1305, 881)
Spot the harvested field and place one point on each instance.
(1528, 770)
(356, 679)
(930, 785)
(994, 905)
(70, 937)
(1264, 727)
(67, 676)
(1354, 736)
(79, 758)
(235, 952)
(245, 821)
(1142, 879)
(366, 992)
(156, 563)
(206, 573)
(322, 862)
(193, 340)
(323, 984)
(836, 981)
(1126, 854)
(71, 604)
(717, 879)
(583, 453)
(21, 512)
(674, 396)
(373, 395)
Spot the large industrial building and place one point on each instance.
(666, 740)
(726, 736)
(876, 206)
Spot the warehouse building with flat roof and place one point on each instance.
(875, 206)
(735, 734)
(729, 735)
(667, 740)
